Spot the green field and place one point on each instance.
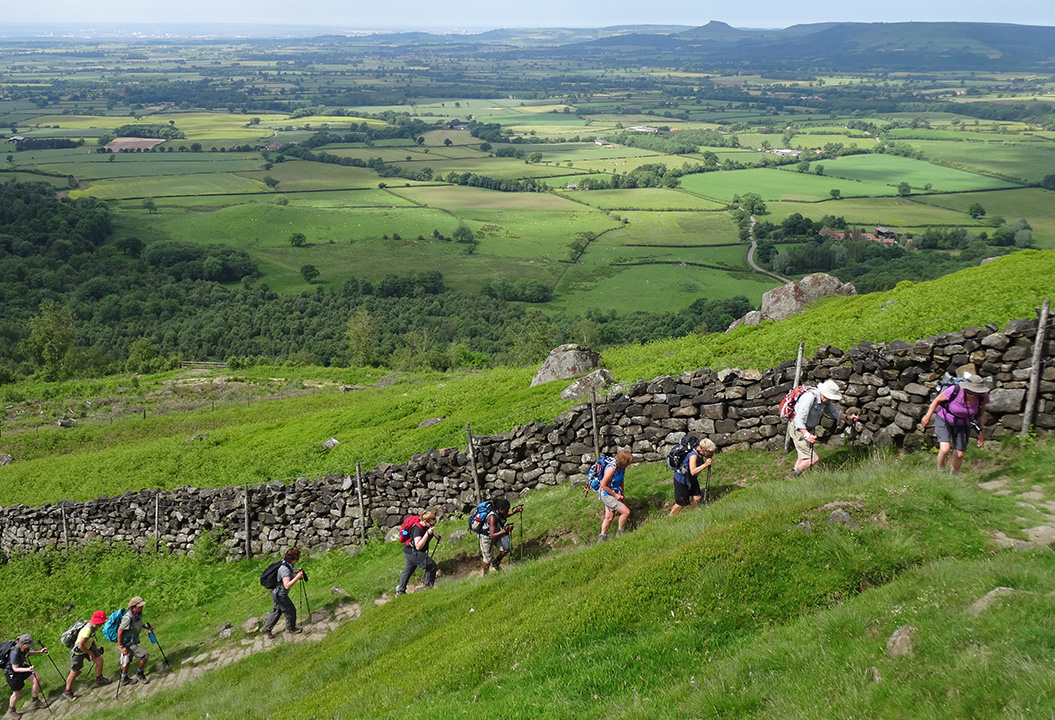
(891, 170)
(1010, 158)
(892, 211)
(674, 228)
(639, 198)
(773, 184)
(1033, 204)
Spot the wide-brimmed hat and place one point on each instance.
(830, 390)
(974, 385)
(98, 618)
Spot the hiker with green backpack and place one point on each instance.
(80, 639)
(17, 670)
(488, 521)
(959, 406)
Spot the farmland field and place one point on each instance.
(891, 170)
(674, 228)
(639, 198)
(774, 184)
(1025, 161)
(893, 212)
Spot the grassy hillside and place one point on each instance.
(281, 439)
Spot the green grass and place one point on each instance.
(639, 198)
(1035, 205)
(891, 170)
(1003, 157)
(890, 211)
(773, 184)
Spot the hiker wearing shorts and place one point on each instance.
(18, 671)
(84, 648)
(687, 484)
(416, 552)
(128, 631)
(958, 407)
(811, 405)
(497, 532)
(288, 576)
(611, 494)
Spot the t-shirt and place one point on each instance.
(16, 657)
(417, 531)
(87, 633)
(963, 408)
(285, 570)
(132, 626)
(616, 483)
(685, 477)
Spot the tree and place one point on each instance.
(904, 189)
(360, 335)
(142, 357)
(818, 169)
(149, 205)
(298, 239)
(1048, 183)
(835, 193)
(195, 147)
(309, 273)
(50, 344)
(976, 210)
(270, 182)
(753, 204)
(447, 142)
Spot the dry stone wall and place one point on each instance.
(890, 384)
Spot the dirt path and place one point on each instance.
(1029, 497)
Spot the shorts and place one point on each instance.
(16, 681)
(77, 658)
(683, 493)
(137, 652)
(505, 544)
(955, 435)
(803, 447)
(612, 503)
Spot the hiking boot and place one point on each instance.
(794, 474)
(266, 632)
(140, 677)
(602, 537)
(129, 680)
(294, 631)
(37, 704)
(68, 695)
(12, 713)
(102, 681)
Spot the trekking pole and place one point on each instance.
(707, 487)
(154, 639)
(44, 695)
(54, 665)
(434, 548)
(307, 605)
(124, 673)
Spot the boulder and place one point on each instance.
(900, 643)
(429, 422)
(331, 443)
(587, 384)
(566, 362)
(787, 300)
(6, 459)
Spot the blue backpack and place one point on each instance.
(596, 473)
(112, 624)
(478, 520)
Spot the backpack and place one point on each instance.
(478, 520)
(5, 652)
(404, 531)
(952, 381)
(596, 473)
(69, 638)
(112, 624)
(269, 578)
(678, 454)
(787, 405)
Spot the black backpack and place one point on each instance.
(677, 455)
(5, 652)
(269, 578)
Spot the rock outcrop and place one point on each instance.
(566, 362)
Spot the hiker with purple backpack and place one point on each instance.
(959, 406)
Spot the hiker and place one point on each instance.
(288, 576)
(84, 648)
(17, 671)
(809, 407)
(686, 481)
(416, 551)
(611, 494)
(128, 631)
(497, 531)
(960, 406)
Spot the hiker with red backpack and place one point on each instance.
(286, 576)
(610, 490)
(803, 407)
(960, 405)
(417, 532)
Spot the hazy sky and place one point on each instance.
(344, 15)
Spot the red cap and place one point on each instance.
(98, 617)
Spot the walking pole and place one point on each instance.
(44, 695)
(61, 678)
(707, 488)
(124, 674)
(307, 605)
(154, 639)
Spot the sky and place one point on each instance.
(439, 15)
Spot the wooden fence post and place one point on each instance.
(248, 547)
(798, 379)
(157, 524)
(472, 464)
(362, 508)
(1035, 370)
(596, 434)
(65, 530)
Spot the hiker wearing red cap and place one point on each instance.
(84, 648)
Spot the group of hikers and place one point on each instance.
(958, 408)
(122, 626)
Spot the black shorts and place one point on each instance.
(683, 493)
(16, 681)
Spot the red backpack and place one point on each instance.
(404, 531)
(787, 405)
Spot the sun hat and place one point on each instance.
(830, 390)
(136, 601)
(98, 618)
(974, 385)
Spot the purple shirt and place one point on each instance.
(963, 408)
